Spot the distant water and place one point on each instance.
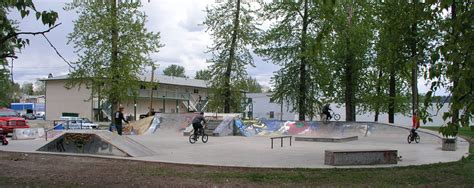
(400, 119)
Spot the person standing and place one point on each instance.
(326, 109)
(118, 116)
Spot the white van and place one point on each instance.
(78, 123)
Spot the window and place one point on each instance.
(196, 91)
(272, 114)
(272, 100)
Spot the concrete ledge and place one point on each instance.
(327, 139)
(360, 157)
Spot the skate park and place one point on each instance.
(164, 138)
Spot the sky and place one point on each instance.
(178, 22)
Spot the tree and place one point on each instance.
(294, 41)
(113, 46)
(5, 88)
(251, 85)
(9, 34)
(231, 26)
(39, 88)
(203, 75)
(349, 51)
(27, 88)
(11, 42)
(174, 70)
(452, 66)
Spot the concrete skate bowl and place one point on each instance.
(96, 143)
(253, 148)
(318, 128)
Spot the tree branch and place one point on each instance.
(14, 34)
(57, 52)
(8, 56)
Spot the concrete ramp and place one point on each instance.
(176, 123)
(96, 143)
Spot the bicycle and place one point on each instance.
(335, 116)
(204, 137)
(413, 136)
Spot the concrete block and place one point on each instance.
(28, 134)
(327, 139)
(360, 157)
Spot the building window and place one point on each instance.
(272, 100)
(272, 114)
(196, 91)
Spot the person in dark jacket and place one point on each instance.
(118, 120)
(326, 109)
(197, 123)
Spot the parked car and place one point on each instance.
(39, 115)
(9, 120)
(29, 116)
(76, 123)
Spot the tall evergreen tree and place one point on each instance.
(232, 28)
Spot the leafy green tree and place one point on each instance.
(251, 85)
(113, 46)
(27, 88)
(231, 25)
(5, 88)
(452, 66)
(349, 51)
(9, 34)
(11, 42)
(40, 88)
(174, 70)
(203, 75)
(294, 41)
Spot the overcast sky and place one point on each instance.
(177, 21)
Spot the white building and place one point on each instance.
(263, 107)
(173, 95)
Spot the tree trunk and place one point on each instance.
(114, 99)
(378, 91)
(233, 46)
(414, 71)
(455, 111)
(392, 95)
(302, 87)
(350, 82)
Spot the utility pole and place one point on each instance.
(151, 88)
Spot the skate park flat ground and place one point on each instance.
(172, 147)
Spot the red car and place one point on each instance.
(9, 121)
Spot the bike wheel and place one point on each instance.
(417, 139)
(337, 117)
(204, 138)
(191, 139)
(409, 139)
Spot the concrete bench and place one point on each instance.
(280, 137)
(360, 157)
(327, 139)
